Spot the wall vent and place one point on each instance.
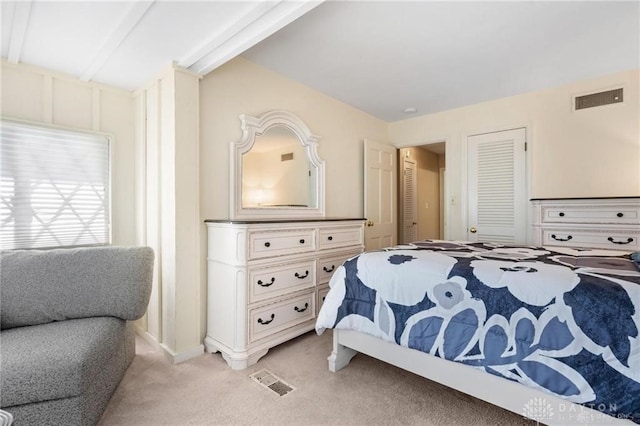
(286, 157)
(598, 99)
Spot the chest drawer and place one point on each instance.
(614, 214)
(340, 237)
(280, 279)
(322, 294)
(327, 266)
(614, 239)
(270, 319)
(279, 243)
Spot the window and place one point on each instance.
(54, 188)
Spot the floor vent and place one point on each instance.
(599, 99)
(272, 382)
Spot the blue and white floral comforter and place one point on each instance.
(558, 319)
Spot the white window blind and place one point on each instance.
(54, 189)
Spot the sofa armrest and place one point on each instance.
(41, 286)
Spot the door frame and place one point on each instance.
(447, 165)
(464, 175)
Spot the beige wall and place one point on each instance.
(589, 153)
(40, 96)
(241, 87)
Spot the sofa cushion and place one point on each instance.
(58, 359)
(41, 286)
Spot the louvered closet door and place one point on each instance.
(410, 202)
(497, 187)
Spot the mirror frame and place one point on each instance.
(256, 126)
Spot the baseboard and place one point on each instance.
(177, 358)
(144, 335)
(173, 357)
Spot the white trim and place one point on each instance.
(148, 338)
(173, 357)
(47, 99)
(236, 42)
(177, 358)
(96, 98)
(236, 28)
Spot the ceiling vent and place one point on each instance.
(598, 99)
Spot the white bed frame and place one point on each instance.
(504, 393)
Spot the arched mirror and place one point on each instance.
(275, 169)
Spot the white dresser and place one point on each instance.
(267, 280)
(607, 223)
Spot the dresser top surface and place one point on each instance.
(258, 221)
(630, 197)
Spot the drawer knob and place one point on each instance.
(329, 238)
(295, 308)
(265, 322)
(620, 214)
(333, 267)
(569, 237)
(267, 244)
(306, 274)
(561, 214)
(262, 284)
(302, 241)
(629, 240)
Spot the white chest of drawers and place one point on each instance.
(607, 223)
(267, 280)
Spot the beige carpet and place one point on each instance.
(205, 391)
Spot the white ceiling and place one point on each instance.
(127, 43)
(380, 57)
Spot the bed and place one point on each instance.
(486, 319)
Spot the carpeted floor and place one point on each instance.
(205, 391)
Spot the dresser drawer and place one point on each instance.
(267, 320)
(278, 243)
(281, 279)
(340, 237)
(614, 239)
(327, 266)
(322, 294)
(615, 214)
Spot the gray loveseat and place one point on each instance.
(66, 338)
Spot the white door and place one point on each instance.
(497, 197)
(380, 197)
(409, 202)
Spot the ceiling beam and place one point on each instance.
(256, 25)
(236, 26)
(129, 21)
(19, 25)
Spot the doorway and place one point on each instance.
(421, 189)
